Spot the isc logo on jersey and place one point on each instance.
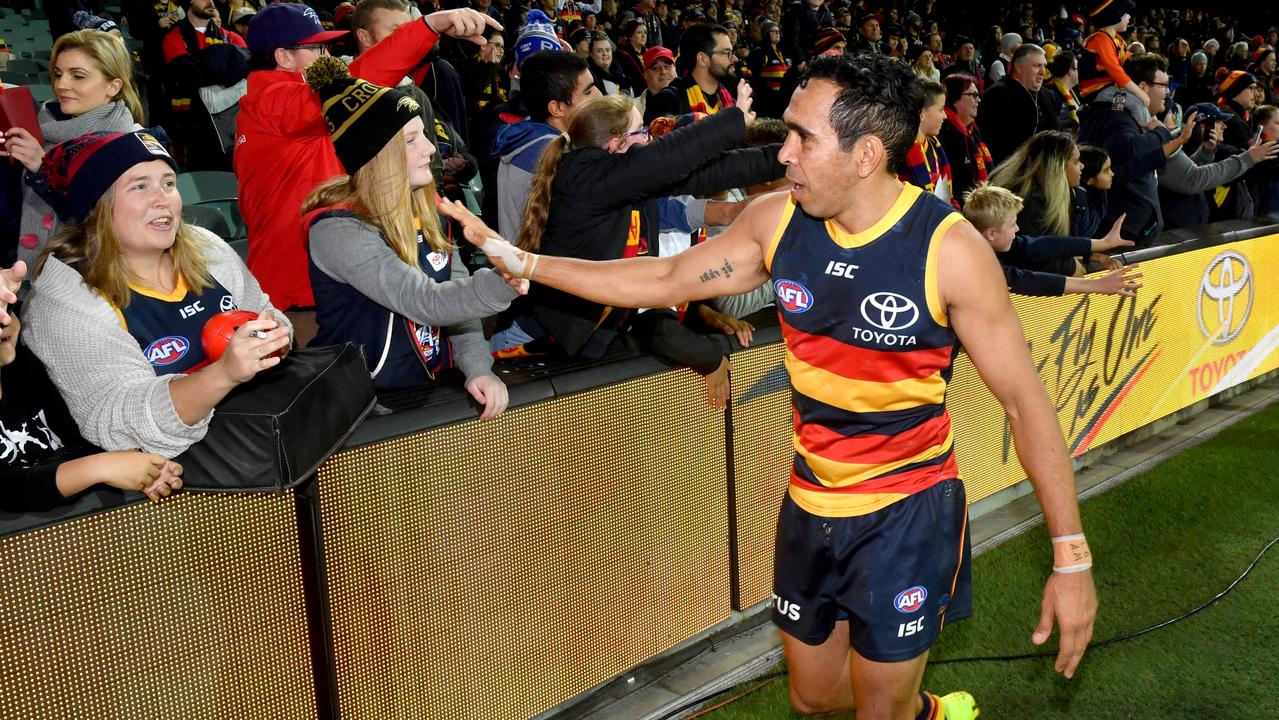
(167, 350)
(792, 296)
(911, 599)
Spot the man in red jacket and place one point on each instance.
(283, 148)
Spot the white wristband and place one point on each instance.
(1068, 538)
(1069, 569)
(512, 258)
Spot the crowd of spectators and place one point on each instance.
(587, 129)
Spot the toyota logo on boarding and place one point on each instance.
(896, 312)
(1228, 282)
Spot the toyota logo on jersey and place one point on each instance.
(792, 296)
(167, 350)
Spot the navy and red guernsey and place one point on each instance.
(169, 327)
(870, 351)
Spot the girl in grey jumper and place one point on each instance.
(383, 274)
(121, 295)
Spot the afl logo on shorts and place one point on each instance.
(167, 350)
(792, 296)
(911, 599)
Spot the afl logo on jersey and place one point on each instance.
(911, 599)
(792, 296)
(167, 350)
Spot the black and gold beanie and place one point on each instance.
(362, 117)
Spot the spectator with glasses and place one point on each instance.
(598, 195)
(285, 140)
(970, 162)
(704, 63)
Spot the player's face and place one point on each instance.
(420, 151)
(816, 166)
(147, 208)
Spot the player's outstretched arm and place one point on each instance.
(972, 289)
(728, 264)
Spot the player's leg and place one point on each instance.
(819, 674)
(888, 690)
(814, 637)
(913, 561)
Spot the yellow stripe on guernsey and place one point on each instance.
(860, 396)
(843, 504)
(836, 474)
(846, 504)
(782, 222)
(360, 93)
(930, 270)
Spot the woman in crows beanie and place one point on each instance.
(384, 274)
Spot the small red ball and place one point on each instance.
(219, 329)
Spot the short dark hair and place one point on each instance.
(877, 96)
(1062, 63)
(932, 91)
(699, 38)
(549, 75)
(1142, 68)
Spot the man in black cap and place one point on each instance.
(869, 35)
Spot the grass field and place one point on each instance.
(1165, 541)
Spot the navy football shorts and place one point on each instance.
(897, 575)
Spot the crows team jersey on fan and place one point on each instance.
(869, 351)
(168, 327)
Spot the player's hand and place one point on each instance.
(504, 256)
(489, 392)
(1070, 599)
(1122, 281)
(1112, 239)
(744, 101)
(22, 146)
(463, 23)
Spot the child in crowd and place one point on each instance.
(1102, 62)
(926, 163)
(45, 461)
(384, 275)
(993, 211)
(1264, 179)
(1088, 199)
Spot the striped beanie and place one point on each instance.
(362, 117)
(81, 170)
(1236, 82)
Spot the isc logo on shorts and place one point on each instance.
(167, 350)
(911, 599)
(792, 296)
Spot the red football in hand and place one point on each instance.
(219, 329)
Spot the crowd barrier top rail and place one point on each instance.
(534, 380)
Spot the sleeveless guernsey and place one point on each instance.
(869, 351)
